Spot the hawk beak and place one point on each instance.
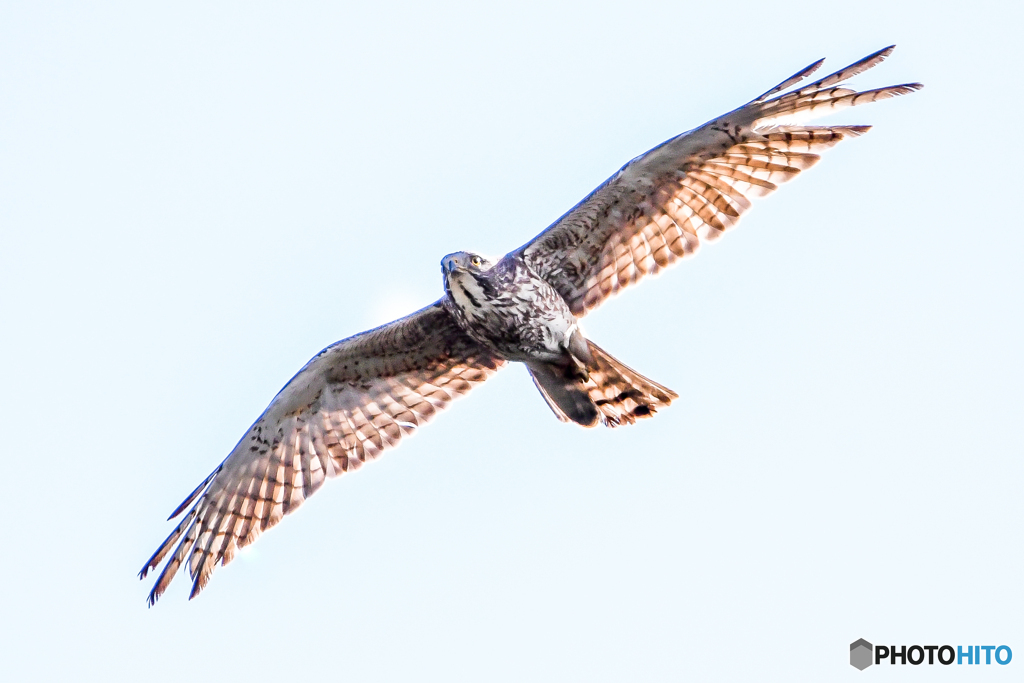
(451, 265)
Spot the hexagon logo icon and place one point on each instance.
(861, 652)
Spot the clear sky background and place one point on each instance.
(195, 199)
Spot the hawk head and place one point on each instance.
(456, 266)
(462, 272)
(464, 261)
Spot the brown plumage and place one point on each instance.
(362, 395)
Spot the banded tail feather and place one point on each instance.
(613, 394)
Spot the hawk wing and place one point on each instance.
(661, 205)
(347, 405)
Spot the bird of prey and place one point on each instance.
(360, 396)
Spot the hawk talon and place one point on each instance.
(580, 372)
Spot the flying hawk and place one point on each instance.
(361, 395)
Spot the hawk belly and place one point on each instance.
(512, 311)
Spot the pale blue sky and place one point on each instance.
(195, 199)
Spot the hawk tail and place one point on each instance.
(614, 394)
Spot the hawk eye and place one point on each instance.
(476, 261)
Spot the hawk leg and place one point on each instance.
(579, 358)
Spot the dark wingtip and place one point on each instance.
(195, 494)
(880, 54)
(814, 66)
(151, 563)
(902, 88)
(181, 508)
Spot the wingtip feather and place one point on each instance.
(195, 494)
(792, 80)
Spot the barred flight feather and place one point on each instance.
(349, 404)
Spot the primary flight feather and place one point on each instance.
(361, 395)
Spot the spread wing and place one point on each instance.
(347, 405)
(660, 206)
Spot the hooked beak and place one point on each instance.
(451, 265)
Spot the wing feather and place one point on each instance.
(354, 400)
(664, 204)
